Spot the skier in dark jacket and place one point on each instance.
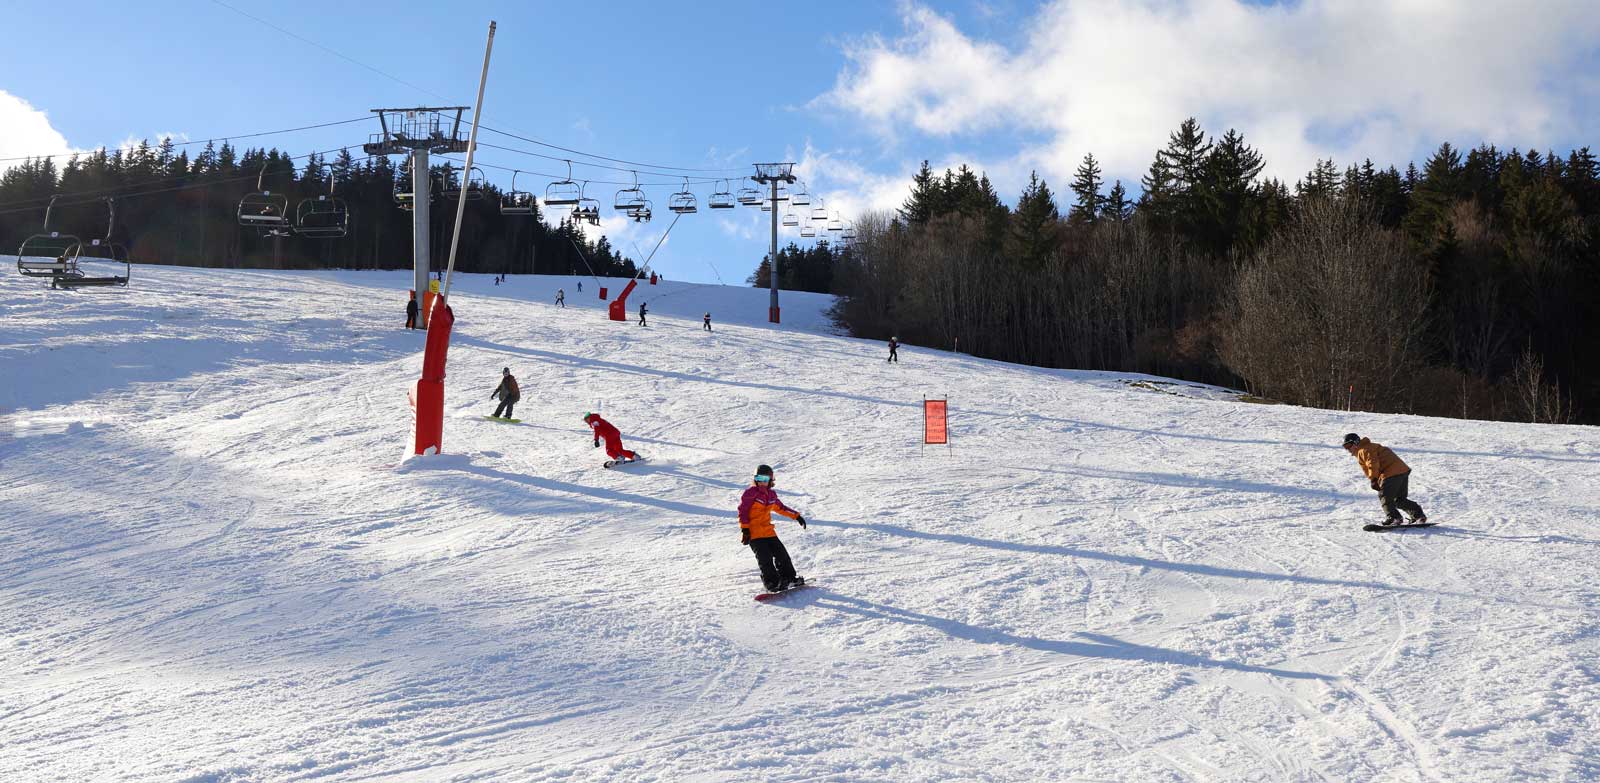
(1389, 475)
(561, 298)
(756, 508)
(894, 348)
(508, 393)
(642, 311)
(708, 322)
(607, 431)
(411, 312)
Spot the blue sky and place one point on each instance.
(856, 92)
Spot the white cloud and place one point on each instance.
(25, 131)
(1349, 79)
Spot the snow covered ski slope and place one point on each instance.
(216, 566)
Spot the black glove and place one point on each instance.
(744, 536)
(1376, 487)
(597, 443)
(801, 520)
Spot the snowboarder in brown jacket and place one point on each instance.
(1389, 475)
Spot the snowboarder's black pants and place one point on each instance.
(1394, 497)
(776, 569)
(505, 405)
(411, 320)
(894, 355)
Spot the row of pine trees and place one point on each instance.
(174, 209)
(1467, 287)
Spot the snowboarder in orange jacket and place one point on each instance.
(756, 508)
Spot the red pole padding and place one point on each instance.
(619, 307)
(934, 429)
(427, 396)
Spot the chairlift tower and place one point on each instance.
(418, 132)
(774, 174)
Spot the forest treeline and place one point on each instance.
(171, 209)
(1465, 288)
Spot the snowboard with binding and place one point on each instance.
(611, 463)
(764, 597)
(1401, 526)
(503, 420)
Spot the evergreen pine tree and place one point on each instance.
(1086, 185)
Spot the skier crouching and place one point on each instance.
(756, 532)
(606, 430)
(1389, 475)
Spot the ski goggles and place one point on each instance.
(763, 479)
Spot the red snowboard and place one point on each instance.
(769, 596)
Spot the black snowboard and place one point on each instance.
(1381, 528)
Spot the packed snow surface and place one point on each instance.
(216, 563)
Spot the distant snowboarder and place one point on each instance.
(894, 349)
(642, 312)
(708, 322)
(605, 430)
(580, 286)
(1390, 478)
(561, 298)
(507, 392)
(411, 312)
(756, 531)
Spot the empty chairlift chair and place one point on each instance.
(564, 192)
(516, 202)
(98, 263)
(325, 217)
(264, 209)
(683, 202)
(469, 187)
(722, 198)
(48, 253)
(807, 230)
(750, 197)
(801, 196)
(630, 200)
(791, 219)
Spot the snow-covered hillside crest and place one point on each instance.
(216, 567)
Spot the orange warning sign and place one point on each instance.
(934, 421)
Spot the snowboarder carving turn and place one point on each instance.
(607, 431)
(507, 392)
(1390, 478)
(755, 531)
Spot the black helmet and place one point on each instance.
(764, 470)
(505, 370)
(1352, 439)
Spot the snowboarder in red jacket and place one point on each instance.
(605, 430)
(756, 508)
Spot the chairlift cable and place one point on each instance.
(197, 141)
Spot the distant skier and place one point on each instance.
(642, 312)
(580, 286)
(561, 298)
(411, 312)
(708, 322)
(605, 430)
(1389, 475)
(894, 348)
(507, 392)
(756, 531)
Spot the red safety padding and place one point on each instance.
(934, 421)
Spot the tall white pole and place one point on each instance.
(472, 146)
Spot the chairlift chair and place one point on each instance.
(641, 214)
(848, 234)
(683, 202)
(470, 187)
(750, 197)
(48, 253)
(721, 199)
(588, 209)
(819, 212)
(264, 209)
(791, 219)
(807, 231)
(630, 199)
(835, 224)
(516, 202)
(99, 251)
(801, 196)
(324, 217)
(562, 193)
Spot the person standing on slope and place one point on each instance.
(561, 298)
(894, 348)
(411, 312)
(708, 322)
(642, 311)
(755, 531)
(605, 430)
(507, 392)
(1390, 478)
